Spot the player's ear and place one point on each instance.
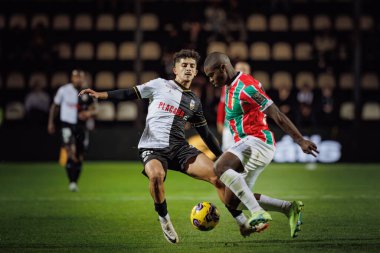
(174, 70)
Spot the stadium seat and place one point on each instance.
(371, 111)
(126, 111)
(104, 80)
(105, 22)
(347, 111)
(61, 22)
(149, 22)
(282, 51)
(2, 22)
(366, 22)
(346, 81)
(84, 51)
(58, 79)
(40, 19)
(259, 51)
(300, 23)
(370, 81)
(150, 51)
(126, 79)
(278, 23)
(263, 78)
(217, 46)
(322, 22)
(343, 23)
(256, 22)
(83, 22)
(238, 50)
(15, 80)
(18, 20)
(326, 80)
(127, 22)
(146, 76)
(106, 111)
(303, 51)
(305, 77)
(106, 51)
(38, 77)
(14, 111)
(282, 79)
(63, 50)
(127, 51)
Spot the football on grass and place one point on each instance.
(204, 216)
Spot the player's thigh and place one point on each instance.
(154, 169)
(227, 161)
(201, 167)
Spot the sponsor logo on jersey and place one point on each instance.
(192, 105)
(172, 109)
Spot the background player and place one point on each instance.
(247, 106)
(74, 113)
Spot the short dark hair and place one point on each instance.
(186, 53)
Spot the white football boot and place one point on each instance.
(73, 187)
(168, 229)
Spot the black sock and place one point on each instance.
(161, 209)
(70, 168)
(234, 212)
(77, 171)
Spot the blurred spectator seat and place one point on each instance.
(282, 79)
(149, 22)
(14, 111)
(305, 77)
(89, 81)
(40, 19)
(366, 22)
(105, 22)
(18, 20)
(343, 23)
(300, 23)
(371, 111)
(127, 22)
(346, 81)
(282, 51)
(370, 81)
(326, 80)
(15, 80)
(148, 75)
(106, 111)
(256, 22)
(126, 111)
(58, 79)
(127, 51)
(126, 79)
(259, 51)
(238, 50)
(322, 22)
(150, 51)
(303, 51)
(263, 78)
(2, 22)
(63, 50)
(38, 77)
(84, 51)
(278, 23)
(217, 46)
(347, 111)
(106, 51)
(61, 22)
(83, 22)
(104, 80)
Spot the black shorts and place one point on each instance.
(173, 158)
(73, 134)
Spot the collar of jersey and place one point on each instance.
(183, 88)
(235, 78)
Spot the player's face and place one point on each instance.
(185, 70)
(217, 75)
(78, 79)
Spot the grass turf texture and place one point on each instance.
(114, 212)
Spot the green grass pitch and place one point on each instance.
(113, 212)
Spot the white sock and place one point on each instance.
(236, 183)
(241, 219)
(271, 204)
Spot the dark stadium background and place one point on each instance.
(319, 43)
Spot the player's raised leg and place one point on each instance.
(156, 174)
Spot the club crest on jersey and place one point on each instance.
(192, 105)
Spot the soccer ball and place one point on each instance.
(204, 216)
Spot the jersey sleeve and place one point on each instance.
(147, 89)
(58, 97)
(254, 94)
(198, 118)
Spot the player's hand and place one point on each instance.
(309, 147)
(51, 128)
(94, 94)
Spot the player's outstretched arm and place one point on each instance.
(288, 127)
(122, 94)
(94, 94)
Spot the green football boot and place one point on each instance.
(258, 218)
(295, 218)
